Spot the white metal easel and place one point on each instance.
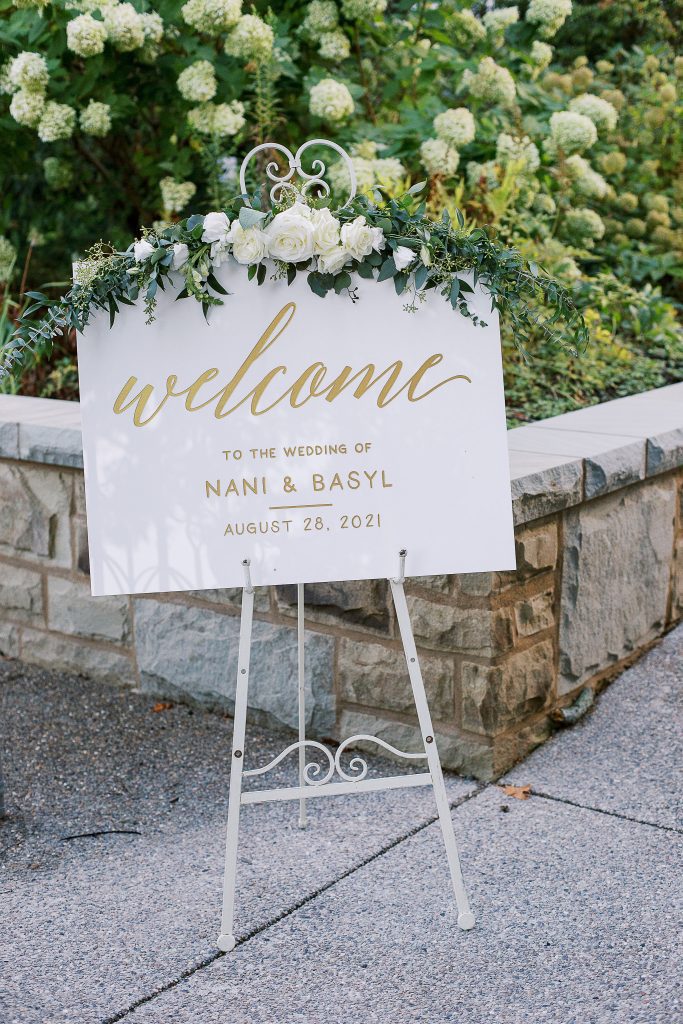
(353, 779)
(309, 783)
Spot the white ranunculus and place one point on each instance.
(403, 257)
(359, 238)
(142, 250)
(326, 230)
(216, 227)
(332, 261)
(249, 245)
(181, 254)
(290, 236)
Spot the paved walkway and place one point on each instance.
(112, 861)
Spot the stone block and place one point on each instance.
(70, 654)
(476, 584)
(9, 640)
(467, 755)
(231, 597)
(613, 469)
(536, 549)
(377, 677)
(73, 610)
(35, 503)
(495, 697)
(21, 594)
(81, 549)
(470, 631)
(9, 440)
(615, 585)
(534, 614)
(79, 494)
(357, 602)
(549, 490)
(51, 443)
(665, 451)
(512, 747)
(442, 584)
(677, 582)
(190, 651)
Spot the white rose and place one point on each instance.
(249, 245)
(142, 250)
(216, 227)
(290, 237)
(326, 230)
(332, 261)
(359, 239)
(403, 257)
(181, 254)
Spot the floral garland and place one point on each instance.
(375, 237)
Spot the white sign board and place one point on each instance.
(316, 437)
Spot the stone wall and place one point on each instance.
(598, 500)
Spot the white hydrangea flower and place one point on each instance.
(198, 82)
(217, 120)
(95, 119)
(482, 174)
(7, 87)
(586, 181)
(497, 20)
(58, 173)
(321, 16)
(212, 16)
(86, 36)
(331, 100)
(57, 122)
(388, 172)
(491, 83)
(603, 115)
(251, 39)
(27, 107)
(455, 126)
(572, 132)
(541, 54)
(334, 46)
(359, 238)
(439, 158)
(583, 226)
(125, 28)
(363, 10)
(29, 71)
(249, 245)
(175, 194)
(549, 15)
(519, 151)
(25, 5)
(467, 28)
(153, 27)
(8, 257)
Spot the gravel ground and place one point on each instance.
(351, 920)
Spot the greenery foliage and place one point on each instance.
(558, 129)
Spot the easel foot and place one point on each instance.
(225, 943)
(466, 920)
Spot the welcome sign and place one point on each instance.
(316, 437)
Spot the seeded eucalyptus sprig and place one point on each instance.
(418, 254)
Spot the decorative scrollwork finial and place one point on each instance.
(283, 182)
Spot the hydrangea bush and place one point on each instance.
(117, 114)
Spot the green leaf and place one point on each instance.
(261, 273)
(182, 295)
(454, 292)
(291, 274)
(365, 270)
(317, 286)
(216, 285)
(400, 282)
(249, 218)
(414, 189)
(342, 281)
(421, 275)
(251, 272)
(388, 269)
(195, 220)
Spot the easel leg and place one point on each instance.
(226, 939)
(302, 697)
(465, 916)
